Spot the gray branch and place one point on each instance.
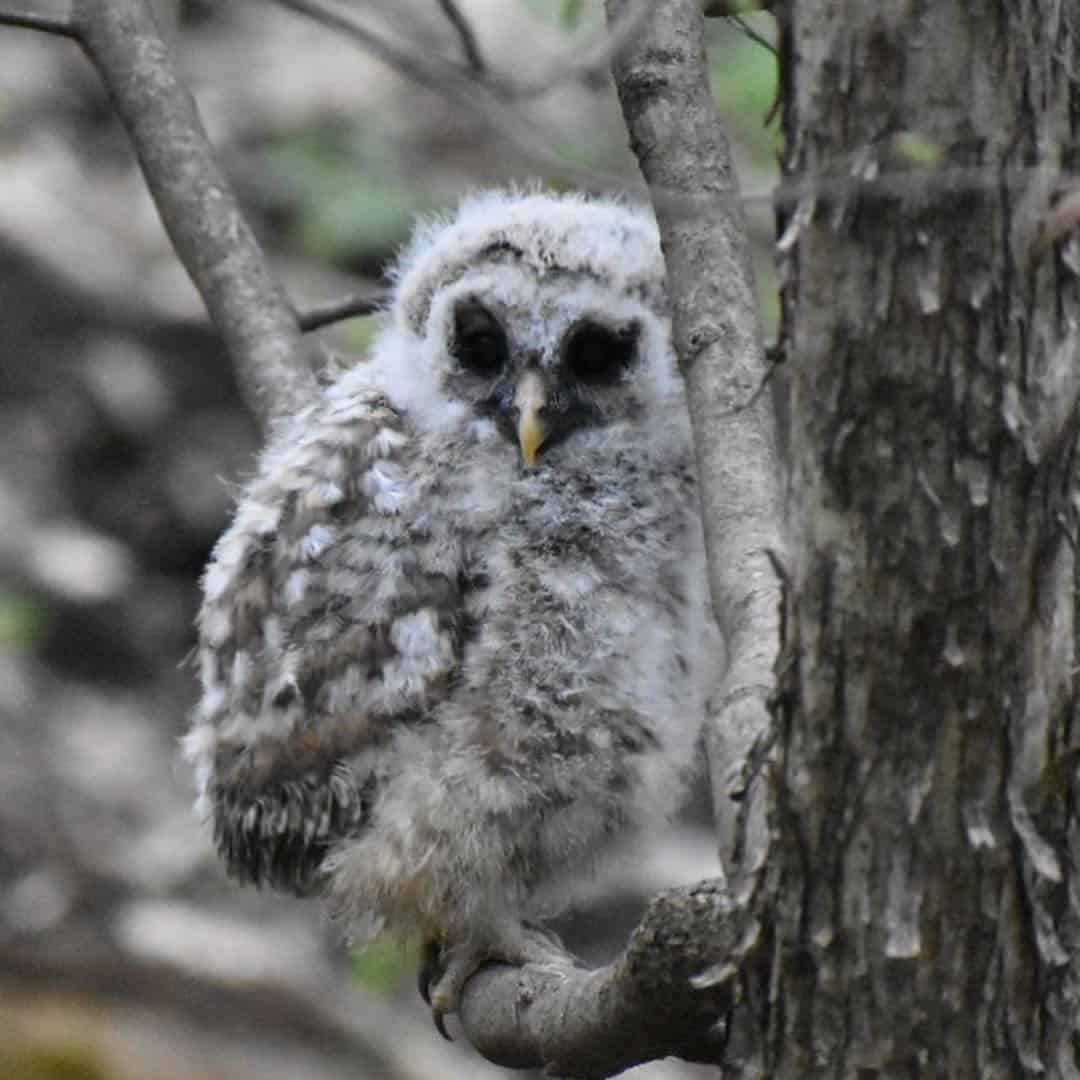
(35, 20)
(213, 240)
(676, 134)
(316, 315)
(668, 995)
(717, 9)
(466, 35)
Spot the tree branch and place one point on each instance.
(667, 995)
(434, 73)
(197, 207)
(317, 315)
(32, 20)
(465, 33)
(481, 89)
(717, 9)
(663, 87)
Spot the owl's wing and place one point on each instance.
(329, 617)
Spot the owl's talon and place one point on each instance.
(432, 966)
(444, 970)
(432, 980)
(438, 1018)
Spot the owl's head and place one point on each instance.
(544, 315)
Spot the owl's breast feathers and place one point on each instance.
(333, 614)
(453, 645)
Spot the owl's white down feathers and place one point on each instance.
(437, 683)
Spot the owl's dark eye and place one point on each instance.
(597, 354)
(479, 342)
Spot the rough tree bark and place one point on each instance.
(926, 903)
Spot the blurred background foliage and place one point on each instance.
(123, 950)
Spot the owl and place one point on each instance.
(452, 645)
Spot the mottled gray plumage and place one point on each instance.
(451, 644)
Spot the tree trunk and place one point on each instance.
(927, 902)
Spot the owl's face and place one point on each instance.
(547, 361)
(544, 317)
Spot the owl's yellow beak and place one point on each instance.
(530, 397)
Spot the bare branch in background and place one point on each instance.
(666, 996)
(753, 35)
(478, 87)
(433, 73)
(316, 315)
(212, 238)
(32, 20)
(465, 32)
(718, 9)
(492, 97)
(675, 132)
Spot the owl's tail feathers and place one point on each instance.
(279, 833)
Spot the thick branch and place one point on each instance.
(210, 234)
(667, 995)
(683, 152)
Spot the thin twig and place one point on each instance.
(317, 315)
(465, 32)
(722, 9)
(464, 82)
(436, 73)
(492, 98)
(33, 20)
(753, 35)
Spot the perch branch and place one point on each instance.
(198, 209)
(667, 995)
(33, 20)
(675, 132)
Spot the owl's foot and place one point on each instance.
(445, 969)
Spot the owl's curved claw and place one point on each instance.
(429, 977)
(438, 1018)
(445, 969)
(431, 968)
